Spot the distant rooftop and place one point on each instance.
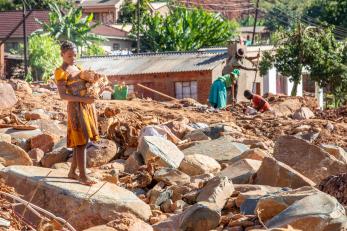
(157, 5)
(153, 63)
(9, 20)
(98, 3)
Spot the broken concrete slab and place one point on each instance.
(308, 159)
(21, 134)
(217, 190)
(199, 164)
(222, 149)
(241, 171)
(11, 154)
(153, 146)
(317, 212)
(57, 190)
(133, 163)
(196, 135)
(277, 174)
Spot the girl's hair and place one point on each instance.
(67, 45)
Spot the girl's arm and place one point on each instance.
(62, 92)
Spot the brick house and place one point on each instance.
(177, 74)
(9, 19)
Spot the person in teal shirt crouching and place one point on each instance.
(218, 92)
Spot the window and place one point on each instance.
(130, 88)
(116, 46)
(187, 89)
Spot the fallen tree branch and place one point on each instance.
(49, 214)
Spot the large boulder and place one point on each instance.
(303, 113)
(56, 156)
(199, 164)
(202, 216)
(171, 176)
(36, 155)
(7, 96)
(101, 152)
(336, 186)
(287, 107)
(308, 159)
(21, 85)
(336, 151)
(153, 146)
(36, 114)
(241, 171)
(254, 154)
(222, 149)
(271, 205)
(45, 142)
(56, 190)
(5, 137)
(317, 212)
(277, 174)
(13, 155)
(217, 190)
(123, 222)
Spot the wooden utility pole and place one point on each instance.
(25, 41)
(138, 25)
(255, 21)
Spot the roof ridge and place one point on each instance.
(20, 11)
(154, 54)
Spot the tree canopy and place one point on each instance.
(184, 30)
(314, 49)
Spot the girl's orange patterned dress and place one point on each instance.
(81, 117)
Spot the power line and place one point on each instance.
(215, 4)
(214, 10)
(292, 18)
(341, 31)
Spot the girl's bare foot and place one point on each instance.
(73, 175)
(87, 180)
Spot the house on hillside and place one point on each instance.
(262, 34)
(159, 7)
(105, 11)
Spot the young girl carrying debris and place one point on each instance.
(82, 120)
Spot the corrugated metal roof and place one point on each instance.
(153, 63)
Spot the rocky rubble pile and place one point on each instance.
(168, 168)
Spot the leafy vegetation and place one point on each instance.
(94, 49)
(184, 30)
(316, 50)
(70, 26)
(44, 56)
(35, 4)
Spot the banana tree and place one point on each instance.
(69, 24)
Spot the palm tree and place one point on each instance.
(68, 24)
